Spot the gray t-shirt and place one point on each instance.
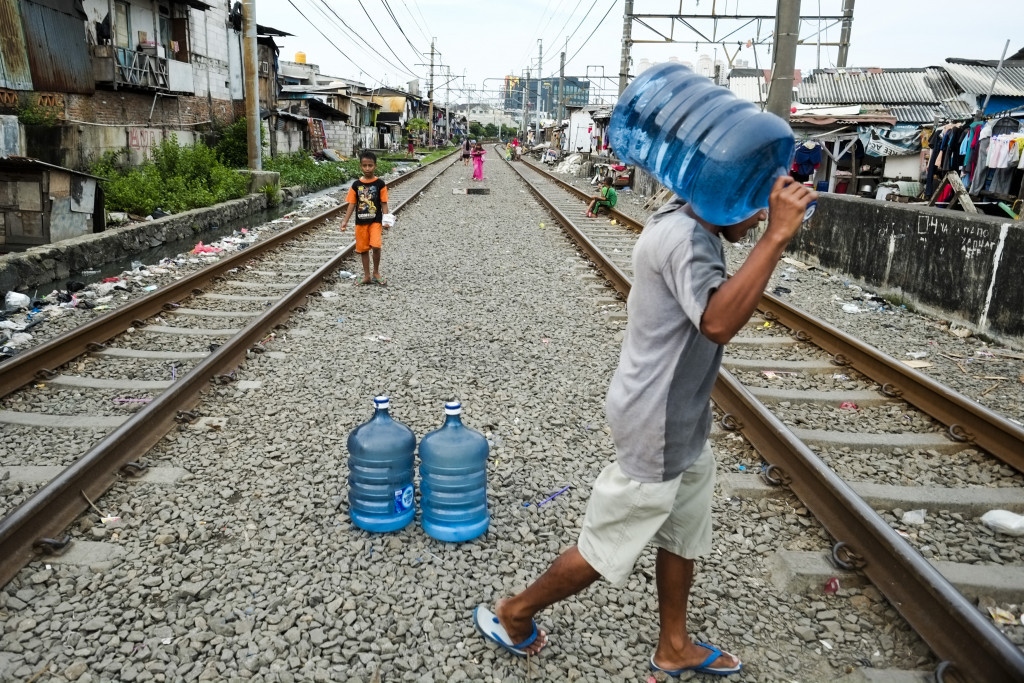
(658, 403)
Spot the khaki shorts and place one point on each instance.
(623, 516)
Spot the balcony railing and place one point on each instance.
(127, 68)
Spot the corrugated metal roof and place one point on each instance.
(975, 77)
(14, 70)
(749, 88)
(930, 85)
(57, 52)
(926, 113)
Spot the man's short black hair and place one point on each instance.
(367, 154)
(607, 180)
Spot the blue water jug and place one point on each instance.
(453, 479)
(716, 151)
(380, 464)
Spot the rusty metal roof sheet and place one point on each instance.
(975, 76)
(32, 164)
(14, 69)
(930, 85)
(57, 52)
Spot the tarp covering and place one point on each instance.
(895, 141)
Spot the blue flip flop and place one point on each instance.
(704, 667)
(487, 624)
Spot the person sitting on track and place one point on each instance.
(605, 198)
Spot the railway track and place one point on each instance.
(155, 354)
(603, 238)
(768, 380)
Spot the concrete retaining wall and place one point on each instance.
(57, 261)
(966, 264)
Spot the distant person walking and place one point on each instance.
(466, 151)
(368, 198)
(412, 147)
(478, 161)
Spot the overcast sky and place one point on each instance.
(480, 41)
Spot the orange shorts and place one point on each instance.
(368, 236)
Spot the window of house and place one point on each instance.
(164, 24)
(122, 25)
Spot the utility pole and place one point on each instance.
(430, 97)
(526, 105)
(561, 90)
(627, 25)
(250, 77)
(540, 65)
(447, 97)
(787, 33)
(844, 33)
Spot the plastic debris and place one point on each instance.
(917, 354)
(851, 308)
(832, 586)
(840, 377)
(1004, 521)
(913, 517)
(16, 300)
(778, 291)
(206, 249)
(1001, 616)
(549, 498)
(848, 405)
(388, 220)
(149, 288)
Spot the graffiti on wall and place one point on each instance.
(971, 240)
(143, 139)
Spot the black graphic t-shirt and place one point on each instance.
(368, 198)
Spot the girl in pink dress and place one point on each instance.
(478, 161)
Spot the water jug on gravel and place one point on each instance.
(718, 152)
(380, 462)
(453, 479)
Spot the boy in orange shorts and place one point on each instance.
(368, 197)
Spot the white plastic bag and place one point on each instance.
(15, 301)
(1004, 521)
(388, 220)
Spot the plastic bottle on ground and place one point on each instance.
(453, 479)
(380, 459)
(712, 149)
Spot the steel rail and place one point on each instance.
(31, 528)
(972, 647)
(967, 420)
(951, 626)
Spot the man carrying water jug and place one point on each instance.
(682, 310)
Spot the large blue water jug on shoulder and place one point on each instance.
(718, 152)
(380, 464)
(453, 479)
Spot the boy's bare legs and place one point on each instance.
(376, 262)
(365, 256)
(568, 575)
(675, 649)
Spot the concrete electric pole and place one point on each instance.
(627, 27)
(787, 33)
(250, 77)
(430, 97)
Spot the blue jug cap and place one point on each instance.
(452, 408)
(381, 402)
